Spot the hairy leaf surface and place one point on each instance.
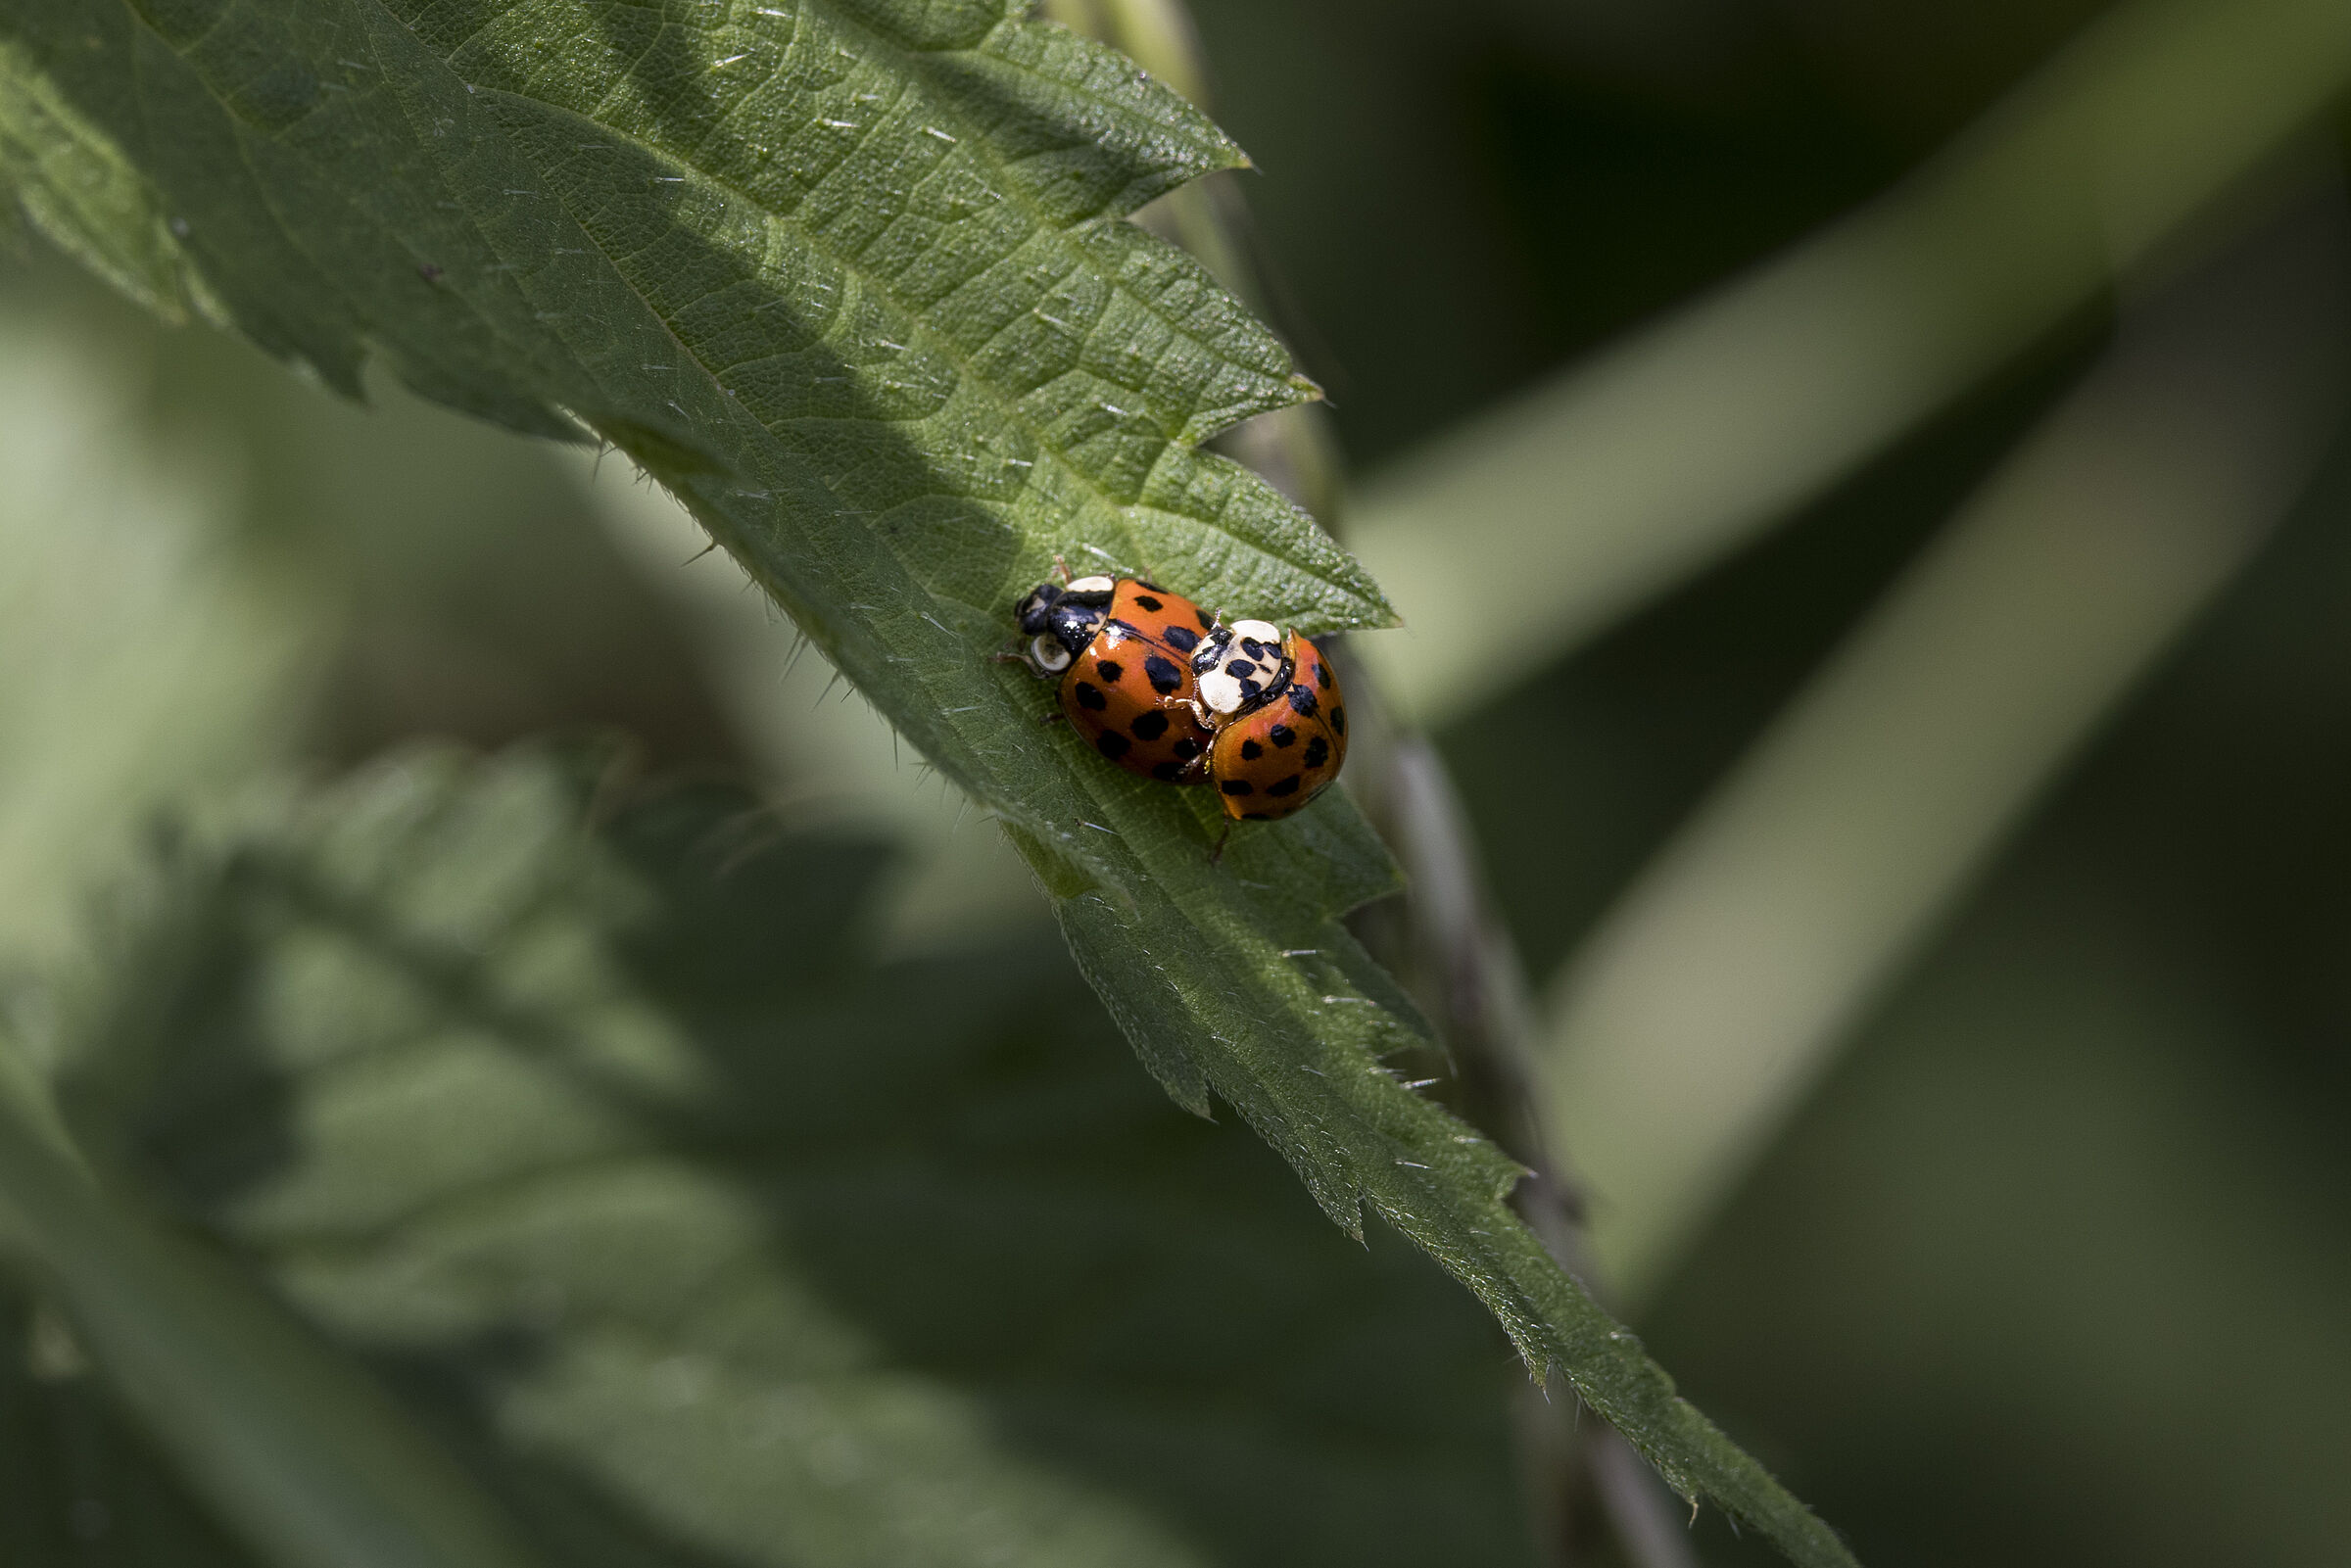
(852, 278)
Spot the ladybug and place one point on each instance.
(1238, 664)
(1280, 748)
(1124, 653)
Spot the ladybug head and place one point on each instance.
(1069, 617)
(1036, 610)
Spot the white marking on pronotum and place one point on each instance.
(1090, 584)
(1050, 657)
(1257, 632)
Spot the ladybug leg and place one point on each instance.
(1055, 717)
(1223, 838)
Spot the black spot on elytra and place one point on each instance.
(1322, 674)
(1318, 752)
(1302, 699)
(1251, 751)
(1282, 734)
(1257, 815)
(1150, 727)
(1237, 787)
(1208, 621)
(1338, 720)
(1149, 603)
(1091, 700)
(1187, 748)
(1288, 786)
(1182, 638)
(1165, 674)
(1111, 670)
(1110, 745)
(1168, 770)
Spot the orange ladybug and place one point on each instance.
(1280, 748)
(1124, 653)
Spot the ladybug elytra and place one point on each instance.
(1123, 653)
(1281, 750)
(1158, 687)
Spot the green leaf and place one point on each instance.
(852, 278)
(706, 1239)
(298, 1448)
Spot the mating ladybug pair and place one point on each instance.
(1158, 687)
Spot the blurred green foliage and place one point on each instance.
(702, 1237)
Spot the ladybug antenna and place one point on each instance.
(1062, 567)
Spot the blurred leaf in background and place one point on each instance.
(707, 1240)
